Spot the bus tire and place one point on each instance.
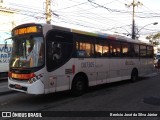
(78, 86)
(134, 75)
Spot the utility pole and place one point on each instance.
(48, 12)
(133, 4)
(1, 3)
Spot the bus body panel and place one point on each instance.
(98, 72)
(87, 66)
(102, 70)
(61, 77)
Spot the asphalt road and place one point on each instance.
(143, 95)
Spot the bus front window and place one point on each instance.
(27, 52)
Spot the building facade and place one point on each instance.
(7, 21)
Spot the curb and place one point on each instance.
(153, 74)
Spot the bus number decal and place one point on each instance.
(87, 64)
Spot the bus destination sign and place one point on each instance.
(26, 30)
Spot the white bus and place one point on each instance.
(69, 59)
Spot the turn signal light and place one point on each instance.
(21, 76)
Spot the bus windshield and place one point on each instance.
(27, 51)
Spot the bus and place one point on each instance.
(69, 59)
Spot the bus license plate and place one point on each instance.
(18, 86)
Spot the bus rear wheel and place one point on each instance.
(78, 86)
(134, 75)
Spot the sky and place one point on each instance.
(109, 16)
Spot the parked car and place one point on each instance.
(157, 56)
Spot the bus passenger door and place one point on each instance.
(52, 82)
(59, 48)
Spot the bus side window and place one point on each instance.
(143, 51)
(59, 48)
(115, 49)
(81, 53)
(134, 50)
(56, 51)
(98, 49)
(101, 48)
(125, 49)
(84, 46)
(105, 50)
(149, 51)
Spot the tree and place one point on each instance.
(154, 39)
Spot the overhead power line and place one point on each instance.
(109, 9)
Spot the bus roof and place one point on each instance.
(95, 34)
(102, 35)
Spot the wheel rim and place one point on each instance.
(80, 86)
(134, 76)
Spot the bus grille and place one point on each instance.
(21, 88)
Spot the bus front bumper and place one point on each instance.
(36, 87)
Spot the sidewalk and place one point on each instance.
(152, 74)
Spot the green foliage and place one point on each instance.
(154, 39)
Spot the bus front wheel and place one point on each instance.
(78, 86)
